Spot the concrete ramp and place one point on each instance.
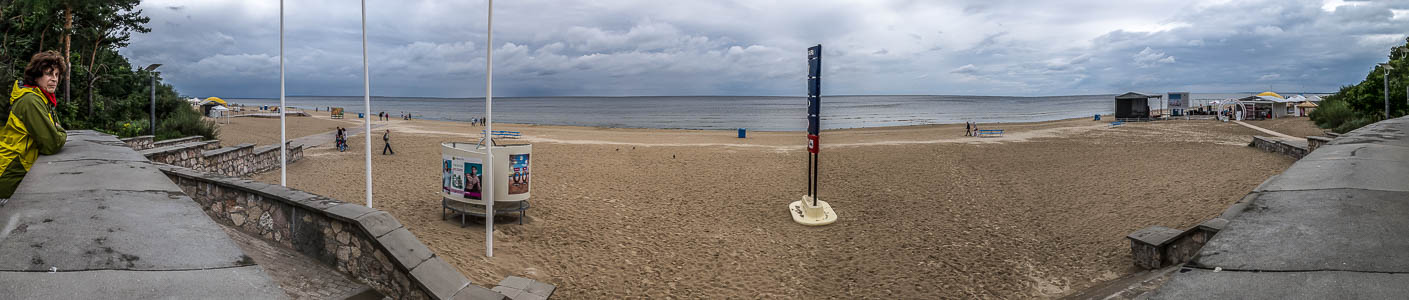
(99, 221)
(1333, 226)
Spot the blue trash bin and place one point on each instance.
(359, 115)
(742, 132)
(1098, 117)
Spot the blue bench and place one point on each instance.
(505, 134)
(990, 132)
(1117, 123)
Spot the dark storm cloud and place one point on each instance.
(626, 47)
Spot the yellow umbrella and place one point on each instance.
(1272, 94)
(217, 100)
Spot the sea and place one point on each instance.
(757, 113)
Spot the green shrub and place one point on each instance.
(1331, 114)
(1355, 123)
(184, 122)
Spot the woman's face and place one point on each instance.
(50, 81)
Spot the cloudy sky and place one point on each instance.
(230, 48)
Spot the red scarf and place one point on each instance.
(49, 96)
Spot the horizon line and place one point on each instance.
(664, 96)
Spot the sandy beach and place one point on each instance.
(924, 211)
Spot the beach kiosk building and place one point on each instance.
(1133, 106)
(210, 103)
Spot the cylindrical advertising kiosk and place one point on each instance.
(462, 172)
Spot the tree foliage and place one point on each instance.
(1355, 106)
(108, 93)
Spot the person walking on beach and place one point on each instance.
(32, 129)
(386, 138)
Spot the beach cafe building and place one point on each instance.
(211, 103)
(1134, 106)
(1267, 105)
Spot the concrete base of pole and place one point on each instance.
(812, 215)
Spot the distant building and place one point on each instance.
(1133, 105)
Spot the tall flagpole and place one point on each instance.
(489, 138)
(283, 161)
(367, 103)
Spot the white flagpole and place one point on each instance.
(367, 103)
(283, 161)
(489, 139)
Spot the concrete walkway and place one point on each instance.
(99, 221)
(326, 138)
(1270, 132)
(1333, 226)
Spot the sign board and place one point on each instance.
(814, 97)
(1179, 100)
(519, 178)
(474, 173)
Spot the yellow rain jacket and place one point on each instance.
(30, 131)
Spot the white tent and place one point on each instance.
(217, 111)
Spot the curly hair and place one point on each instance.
(42, 62)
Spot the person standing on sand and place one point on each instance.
(386, 138)
(31, 129)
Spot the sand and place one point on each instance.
(924, 211)
(265, 131)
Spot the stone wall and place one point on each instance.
(1313, 142)
(366, 244)
(1279, 146)
(239, 160)
(138, 143)
(185, 155)
(172, 142)
(229, 161)
(267, 157)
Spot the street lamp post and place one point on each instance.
(1386, 68)
(1404, 50)
(152, 70)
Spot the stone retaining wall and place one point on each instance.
(266, 158)
(366, 244)
(239, 160)
(1313, 142)
(138, 143)
(185, 155)
(229, 161)
(1278, 146)
(172, 142)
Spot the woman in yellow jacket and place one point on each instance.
(31, 128)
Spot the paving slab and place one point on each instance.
(114, 227)
(247, 282)
(441, 280)
(379, 223)
(120, 230)
(1318, 174)
(475, 292)
(1372, 152)
(1207, 284)
(405, 248)
(73, 175)
(1339, 229)
(94, 150)
(1392, 132)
